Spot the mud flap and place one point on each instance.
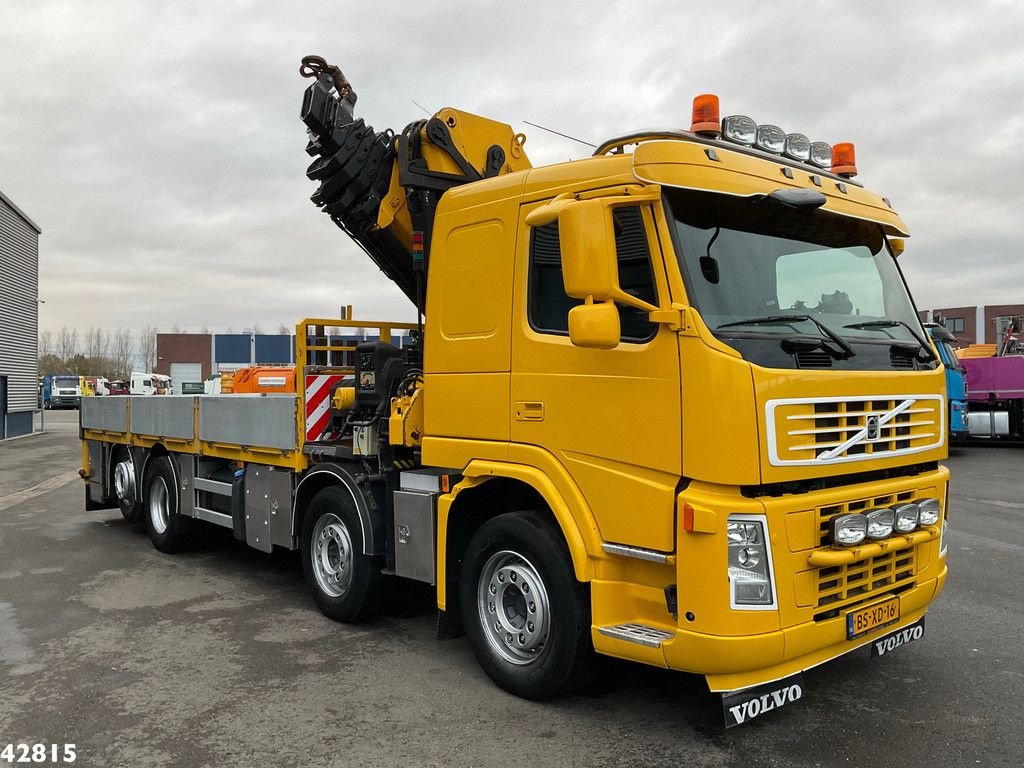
(742, 706)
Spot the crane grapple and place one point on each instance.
(382, 189)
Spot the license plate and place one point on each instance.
(864, 620)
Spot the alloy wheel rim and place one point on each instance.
(332, 556)
(513, 607)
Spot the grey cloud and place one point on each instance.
(159, 147)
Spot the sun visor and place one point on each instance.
(689, 165)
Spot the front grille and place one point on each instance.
(834, 430)
(843, 587)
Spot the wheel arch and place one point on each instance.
(489, 489)
(325, 475)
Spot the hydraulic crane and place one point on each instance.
(381, 188)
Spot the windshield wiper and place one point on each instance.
(842, 343)
(868, 324)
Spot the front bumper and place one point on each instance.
(733, 663)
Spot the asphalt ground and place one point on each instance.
(217, 657)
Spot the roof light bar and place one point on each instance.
(740, 129)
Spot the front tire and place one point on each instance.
(527, 618)
(168, 530)
(344, 581)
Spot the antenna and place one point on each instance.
(421, 106)
(563, 135)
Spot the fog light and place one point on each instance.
(798, 147)
(930, 509)
(907, 518)
(821, 154)
(743, 130)
(848, 530)
(771, 138)
(880, 523)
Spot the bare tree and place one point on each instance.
(97, 343)
(67, 343)
(121, 352)
(176, 328)
(147, 348)
(205, 330)
(45, 344)
(284, 330)
(256, 329)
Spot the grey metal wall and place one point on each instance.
(19, 308)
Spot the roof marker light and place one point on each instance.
(821, 154)
(844, 161)
(740, 129)
(705, 115)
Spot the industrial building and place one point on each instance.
(976, 324)
(19, 319)
(191, 358)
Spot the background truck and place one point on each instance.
(671, 403)
(995, 374)
(62, 391)
(956, 380)
(149, 384)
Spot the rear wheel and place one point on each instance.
(527, 618)
(168, 530)
(126, 487)
(344, 581)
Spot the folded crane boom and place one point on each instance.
(381, 188)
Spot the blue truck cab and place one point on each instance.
(956, 380)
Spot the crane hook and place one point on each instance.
(316, 66)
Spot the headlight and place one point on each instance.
(750, 581)
(848, 530)
(742, 130)
(930, 509)
(880, 523)
(906, 518)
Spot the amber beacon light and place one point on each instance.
(844, 161)
(705, 115)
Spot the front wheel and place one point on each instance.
(527, 618)
(344, 581)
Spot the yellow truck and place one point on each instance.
(671, 403)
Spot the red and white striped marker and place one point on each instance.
(318, 406)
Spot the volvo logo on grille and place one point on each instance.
(872, 427)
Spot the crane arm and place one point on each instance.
(382, 189)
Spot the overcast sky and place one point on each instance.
(158, 145)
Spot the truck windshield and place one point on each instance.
(67, 381)
(750, 263)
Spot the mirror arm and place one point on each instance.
(675, 318)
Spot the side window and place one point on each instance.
(548, 306)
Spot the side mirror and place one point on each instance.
(590, 266)
(595, 325)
